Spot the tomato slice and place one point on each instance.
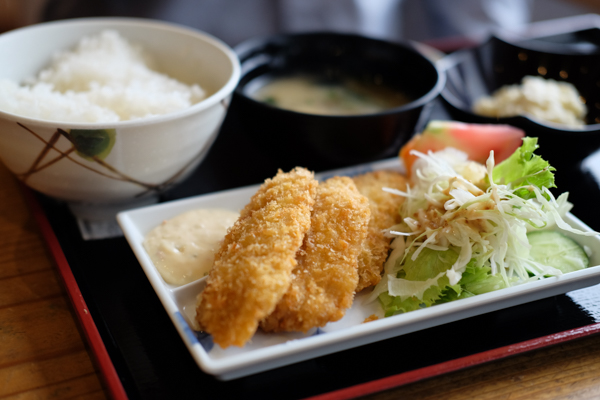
(477, 140)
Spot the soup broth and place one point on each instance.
(311, 95)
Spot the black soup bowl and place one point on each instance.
(320, 141)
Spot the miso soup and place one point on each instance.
(311, 95)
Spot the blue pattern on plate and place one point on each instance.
(194, 337)
(205, 340)
(189, 333)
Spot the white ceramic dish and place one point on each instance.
(268, 351)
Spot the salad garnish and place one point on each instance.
(465, 228)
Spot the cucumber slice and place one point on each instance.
(557, 250)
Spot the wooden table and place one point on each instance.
(43, 355)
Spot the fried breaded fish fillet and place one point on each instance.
(384, 214)
(325, 278)
(253, 267)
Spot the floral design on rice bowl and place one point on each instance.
(88, 149)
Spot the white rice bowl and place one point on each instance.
(95, 122)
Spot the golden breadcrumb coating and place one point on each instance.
(324, 281)
(253, 267)
(370, 318)
(384, 214)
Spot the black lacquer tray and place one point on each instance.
(152, 362)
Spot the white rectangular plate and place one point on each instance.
(268, 351)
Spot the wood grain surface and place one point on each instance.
(43, 355)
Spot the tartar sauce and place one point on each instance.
(183, 248)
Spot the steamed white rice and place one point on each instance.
(104, 79)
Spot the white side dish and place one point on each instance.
(546, 99)
(268, 351)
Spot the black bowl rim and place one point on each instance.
(247, 45)
(536, 44)
(452, 60)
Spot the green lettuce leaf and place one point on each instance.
(475, 280)
(428, 264)
(523, 169)
(393, 305)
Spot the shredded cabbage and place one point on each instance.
(465, 226)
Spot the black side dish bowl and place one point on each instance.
(499, 61)
(329, 141)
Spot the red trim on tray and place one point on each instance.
(405, 378)
(103, 361)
